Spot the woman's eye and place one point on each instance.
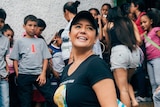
(77, 26)
(90, 28)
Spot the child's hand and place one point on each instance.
(41, 79)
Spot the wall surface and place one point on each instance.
(49, 10)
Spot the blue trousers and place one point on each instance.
(4, 93)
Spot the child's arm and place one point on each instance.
(15, 64)
(42, 77)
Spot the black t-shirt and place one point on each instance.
(76, 89)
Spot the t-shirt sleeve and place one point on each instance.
(98, 70)
(15, 51)
(8, 46)
(45, 51)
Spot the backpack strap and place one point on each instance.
(151, 42)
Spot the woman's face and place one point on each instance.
(133, 8)
(83, 35)
(146, 23)
(66, 15)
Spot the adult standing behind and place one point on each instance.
(125, 56)
(70, 10)
(87, 81)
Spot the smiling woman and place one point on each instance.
(88, 74)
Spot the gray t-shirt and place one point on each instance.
(30, 53)
(4, 50)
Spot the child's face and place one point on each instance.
(104, 10)
(30, 28)
(1, 23)
(39, 31)
(9, 34)
(94, 14)
(146, 23)
(58, 41)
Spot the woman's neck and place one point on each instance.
(71, 16)
(81, 56)
(137, 13)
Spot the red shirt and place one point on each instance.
(138, 22)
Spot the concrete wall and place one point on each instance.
(49, 10)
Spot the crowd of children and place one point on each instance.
(128, 41)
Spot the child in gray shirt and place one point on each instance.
(30, 57)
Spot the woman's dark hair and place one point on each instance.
(124, 31)
(71, 6)
(140, 4)
(114, 13)
(125, 9)
(106, 4)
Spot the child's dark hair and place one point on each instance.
(5, 28)
(3, 14)
(140, 3)
(30, 18)
(97, 11)
(71, 6)
(106, 4)
(41, 23)
(154, 15)
(60, 32)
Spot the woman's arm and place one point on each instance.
(106, 94)
(137, 34)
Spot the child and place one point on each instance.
(14, 102)
(38, 99)
(57, 60)
(41, 25)
(55, 46)
(2, 17)
(30, 58)
(152, 43)
(4, 70)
